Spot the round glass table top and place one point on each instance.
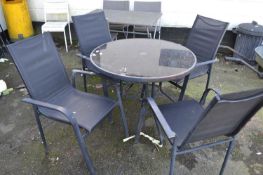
(143, 60)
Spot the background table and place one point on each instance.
(147, 19)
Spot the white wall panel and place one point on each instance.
(178, 13)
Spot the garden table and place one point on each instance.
(143, 60)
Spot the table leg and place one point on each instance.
(181, 96)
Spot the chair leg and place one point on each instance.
(65, 38)
(140, 123)
(143, 91)
(181, 96)
(69, 32)
(84, 150)
(40, 128)
(106, 94)
(159, 129)
(208, 80)
(123, 117)
(229, 150)
(173, 158)
(85, 83)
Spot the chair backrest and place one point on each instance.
(116, 5)
(205, 37)
(40, 66)
(56, 11)
(92, 30)
(148, 6)
(226, 116)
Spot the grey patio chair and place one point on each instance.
(52, 94)
(147, 6)
(204, 40)
(117, 5)
(186, 122)
(92, 30)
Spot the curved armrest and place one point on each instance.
(78, 71)
(169, 132)
(206, 62)
(206, 92)
(82, 56)
(57, 108)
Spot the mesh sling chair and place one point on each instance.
(148, 6)
(52, 95)
(187, 121)
(92, 30)
(117, 5)
(204, 40)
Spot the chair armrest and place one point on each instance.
(77, 71)
(82, 56)
(206, 62)
(57, 108)
(169, 132)
(206, 92)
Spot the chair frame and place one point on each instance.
(157, 28)
(36, 103)
(125, 32)
(209, 63)
(171, 135)
(57, 8)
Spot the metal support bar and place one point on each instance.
(229, 150)
(40, 128)
(123, 117)
(205, 146)
(181, 96)
(260, 74)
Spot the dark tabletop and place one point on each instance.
(143, 60)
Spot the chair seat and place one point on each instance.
(88, 109)
(182, 117)
(197, 72)
(54, 26)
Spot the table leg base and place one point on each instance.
(153, 140)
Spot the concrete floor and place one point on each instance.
(21, 150)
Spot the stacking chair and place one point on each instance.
(92, 30)
(148, 6)
(186, 122)
(55, 23)
(117, 5)
(52, 94)
(204, 40)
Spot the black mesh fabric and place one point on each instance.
(40, 66)
(228, 115)
(205, 36)
(92, 30)
(43, 72)
(116, 5)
